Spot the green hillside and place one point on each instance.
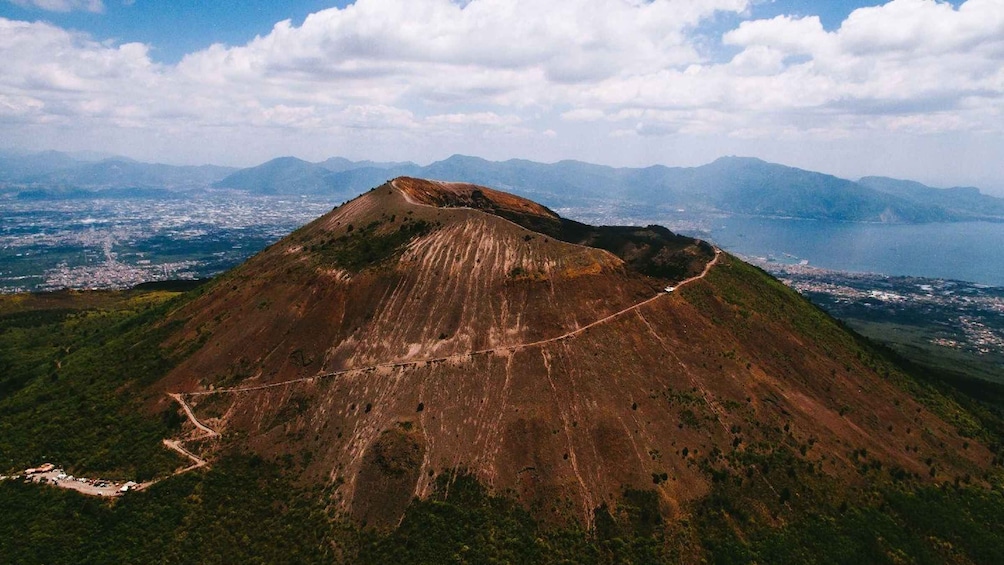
(779, 510)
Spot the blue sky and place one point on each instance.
(908, 88)
(176, 27)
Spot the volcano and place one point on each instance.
(428, 328)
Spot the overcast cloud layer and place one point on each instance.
(912, 88)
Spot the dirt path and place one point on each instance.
(682, 283)
(191, 415)
(415, 362)
(177, 445)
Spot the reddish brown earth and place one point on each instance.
(459, 350)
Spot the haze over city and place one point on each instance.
(907, 88)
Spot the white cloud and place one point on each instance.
(487, 119)
(583, 115)
(783, 33)
(95, 6)
(68, 76)
(629, 68)
(919, 65)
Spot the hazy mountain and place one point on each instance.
(730, 184)
(335, 176)
(62, 173)
(554, 184)
(755, 187)
(354, 181)
(734, 185)
(17, 166)
(339, 164)
(284, 175)
(962, 202)
(126, 173)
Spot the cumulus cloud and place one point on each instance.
(916, 65)
(59, 75)
(474, 119)
(917, 59)
(95, 6)
(431, 67)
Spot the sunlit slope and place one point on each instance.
(418, 329)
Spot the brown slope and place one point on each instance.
(461, 351)
(465, 195)
(470, 281)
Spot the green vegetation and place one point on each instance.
(210, 518)
(976, 409)
(242, 511)
(67, 385)
(653, 250)
(70, 373)
(364, 247)
(889, 524)
(914, 340)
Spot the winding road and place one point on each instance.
(176, 444)
(427, 360)
(207, 432)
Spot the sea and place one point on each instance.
(966, 251)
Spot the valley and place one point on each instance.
(953, 325)
(118, 243)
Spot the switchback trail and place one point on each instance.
(179, 397)
(191, 416)
(176, 444)
(114, 490)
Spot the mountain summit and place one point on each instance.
(428, 328)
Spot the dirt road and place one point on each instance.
(176, 445)
(191, 416)
(414, 362)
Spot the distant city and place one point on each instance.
(118, 243)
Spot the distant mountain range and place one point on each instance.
(734, 185)
(960, 201)
(63, 175)
(731, 184)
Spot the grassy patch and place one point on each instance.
(814, 519)
(242, 511)
(67, 387)
(370, 245)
